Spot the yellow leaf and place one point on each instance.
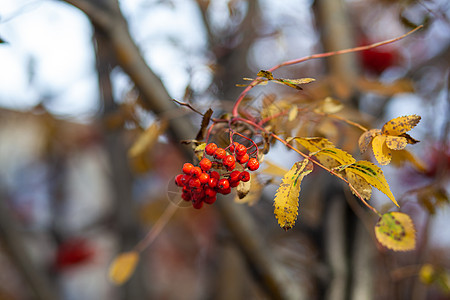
(326, 151)
(395, 230)
(396, 142)
(400, 125)
(427, 273)
(364, 189)
(145, 140)
(273, 169)
(373, 175)
(401, 156)
(382, 153)
(286, 197)
(123, 267)
(289, 82)
(265, 74)
(199, 151)
(329, 106)
(366, 138)
(436, 275)
(293, 112)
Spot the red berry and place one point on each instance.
(214, 174)
(244, 176)
(231, 167)
(178, 180)
(196, 171)
(186, 196)
(234, 184)
(224, 191)
(220, 153)
(241, 150)
(223, 184)
(210, 148)
(253, 164)
(197, 203)
(187, 167)
(185, 179)
(205, 164)
(210, 192)
(234, 176)
(210, 200)
(229, 160)
(195, 183)
(212, 183)
(243, 159)
(204, 178)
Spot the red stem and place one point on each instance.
(314, 56)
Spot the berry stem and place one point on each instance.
(332, 172)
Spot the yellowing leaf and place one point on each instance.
(273, 169)
(123, 267)
(199, 151)
(400, 125)
(329, 106)
(366, 138)
(436, 275)
(265, 74)
(293, 112)
(145, 140)
(427, 273)
(327, 154)
(364, 189)
(396, 142)
(289, 82)
(286, 197)
(382, 153)
(401, 156)
(395, 230)
(373, 175)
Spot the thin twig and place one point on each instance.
(314, 56)
(187, 105)
(157, 228)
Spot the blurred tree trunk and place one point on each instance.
(125, 214)
(347, 249)
(106, 16)
(231, 50)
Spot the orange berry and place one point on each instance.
(253, 164)
(205, 164)
(220, 153)
(187, 167)
(210, 148)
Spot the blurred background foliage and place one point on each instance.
(76, 94)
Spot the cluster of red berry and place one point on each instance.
(201, 184)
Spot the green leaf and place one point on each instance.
(373, 175)
(286, 197)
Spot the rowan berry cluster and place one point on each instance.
(202, 183)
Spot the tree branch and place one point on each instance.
(158, 100)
